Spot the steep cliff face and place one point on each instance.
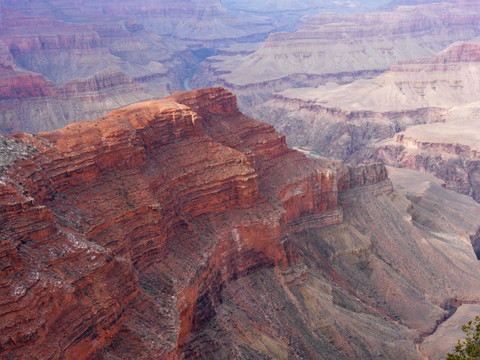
(181, 228)
(448, 149)
(313, 122)
(61, 293)
(476, 242)
(452, 158)
(145, 190)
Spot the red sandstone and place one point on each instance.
(100, 207)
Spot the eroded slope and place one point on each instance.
(181, 228)
(340, 48)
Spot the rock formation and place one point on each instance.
(181, 228)
(420, 114)
(129, 52)
(340, 48)
(65, 61)
(449, 149)
(54, 72)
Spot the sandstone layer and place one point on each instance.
(147, 215)
(181, 228)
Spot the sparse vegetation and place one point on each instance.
(468, 348)
(147, 287)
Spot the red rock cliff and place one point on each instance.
(145, 214)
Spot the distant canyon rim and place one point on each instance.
(315, 196)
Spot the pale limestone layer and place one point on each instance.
(421, 114)
(462, 131)
(334, 45)
(420, 83)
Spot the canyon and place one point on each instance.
(342, 224)
(88, 58)
(400, 87)
(340, 48)
(181, 228)
(85, 59)
(421, 114)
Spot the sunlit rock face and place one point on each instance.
(181, 228)
(98, 216)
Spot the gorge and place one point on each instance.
(315, 196)
(181, 228)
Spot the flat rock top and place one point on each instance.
(335, 44)
(444, 80)
(464, 132)
(460, 128)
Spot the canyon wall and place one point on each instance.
(312, 123)
(181, 228)
(64, 61)
(146, 216)
(420, 114)
(340, 48)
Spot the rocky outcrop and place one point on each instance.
(358, 176)
(310, 122)
(448, 149)
(116, 163)
(62, 295)
(455, 163)
(181, 228)
(476, 243)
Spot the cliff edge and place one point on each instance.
(181, 228)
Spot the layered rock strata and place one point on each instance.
(447, 157)
(341, 48)
(67, 61)
(449, 149)
(107, 197)
(311, 122)
(181, 228)
(420, 114)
